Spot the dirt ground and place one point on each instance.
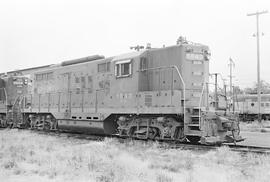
(256, 138)
(256, 134)
(28, 156)
(255, 126)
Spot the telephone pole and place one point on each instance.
(216, 93)
(231, 65)
(225, 93)
(258, 60)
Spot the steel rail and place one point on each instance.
(167, 144)
(248, 148)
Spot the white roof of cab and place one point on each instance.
(127, 56)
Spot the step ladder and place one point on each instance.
(195, 117)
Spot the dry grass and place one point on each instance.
(27, 156)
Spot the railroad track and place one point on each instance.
(236, 148)
(163, 144)
(246, 149)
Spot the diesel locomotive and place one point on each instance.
(155, 93)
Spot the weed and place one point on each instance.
(28, 154)
(163, 178)
(10, 164)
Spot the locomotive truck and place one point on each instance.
(156, 93)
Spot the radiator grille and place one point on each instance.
(148, 100)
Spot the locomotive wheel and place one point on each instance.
(131, 131)
(153, 133)
(194, 139)
(179, 134)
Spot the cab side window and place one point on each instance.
(143, 63)
(123, 68)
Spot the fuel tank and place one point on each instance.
(84, 126)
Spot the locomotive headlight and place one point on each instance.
(25, 81)
(227, 125)
(160, 119)
(122, 119)
(207, 55)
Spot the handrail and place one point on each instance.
(13, 107)
(183, 96)
(18, 101)
(22, 101)
(201, 102)
(181, 78)
(6, 100)
(184, 90)
(15, 101)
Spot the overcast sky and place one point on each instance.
(40, 32)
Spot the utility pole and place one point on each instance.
(207, 96)
(216, 93)
(231, 65)
(226, 100)
(258, 60)
(233, 98)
